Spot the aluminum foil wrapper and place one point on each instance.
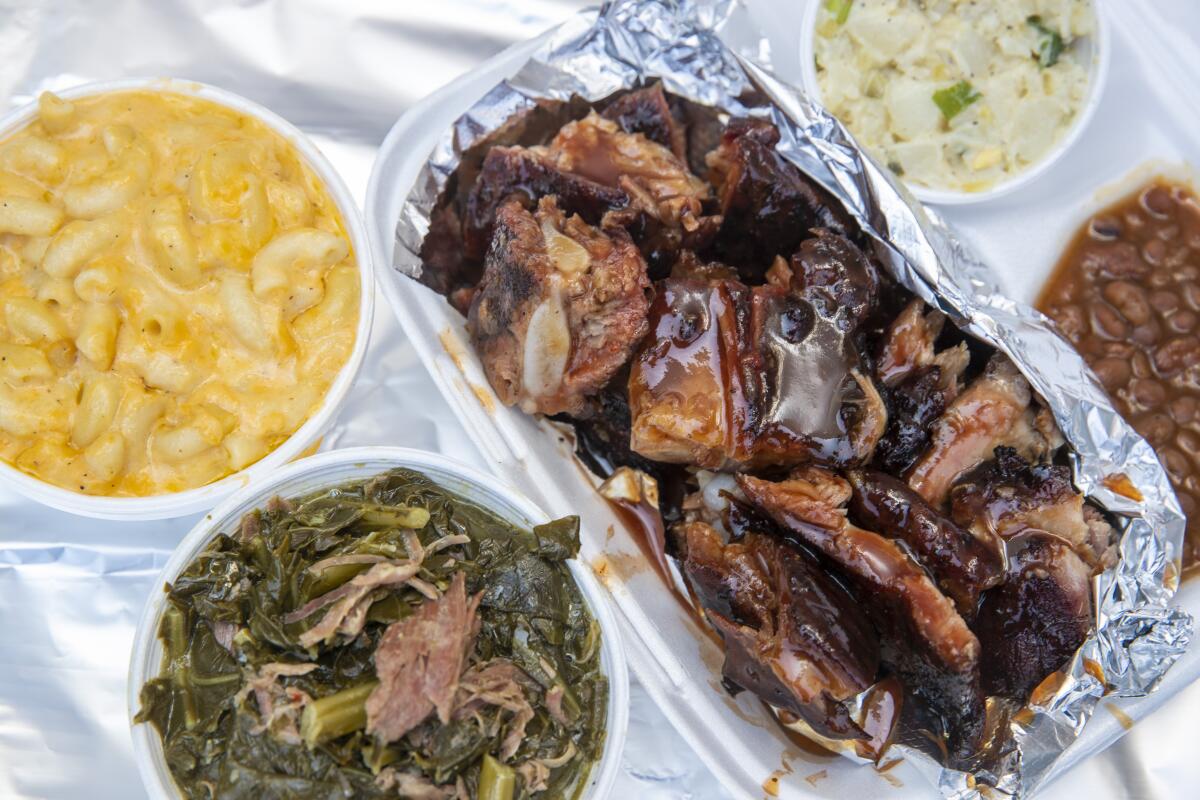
(1138, 634)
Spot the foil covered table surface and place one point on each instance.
(71, 588)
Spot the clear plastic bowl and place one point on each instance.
(191, 501)
(1099, 46)
(339, 466)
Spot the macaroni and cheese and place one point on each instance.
(177, 293)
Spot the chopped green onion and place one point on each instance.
(840, 9)
(896, 168)
(335, 715)
(496, 781)
(377, 756)
(174, 633)
(1050, 42)
(953, 100)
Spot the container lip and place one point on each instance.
(1097, 81)
(146, 744)
(191, 501)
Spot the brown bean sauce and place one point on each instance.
(1127, 295)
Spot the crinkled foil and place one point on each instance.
(1138, 634)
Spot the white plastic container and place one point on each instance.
(340, 466)
(1147, 113)
(191, 501)
(1097, 49)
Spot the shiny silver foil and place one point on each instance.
(1138, 635)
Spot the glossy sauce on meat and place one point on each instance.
(1127, 295)
(679, 388)
(963, 564)
(734, 376)
(792, 634)
(1037, 619)
(808, 382)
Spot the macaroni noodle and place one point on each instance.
(177, 293)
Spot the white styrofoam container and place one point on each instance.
(191, 501)
(1020, 235)
(330, 469)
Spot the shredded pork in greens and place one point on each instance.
(380, 639)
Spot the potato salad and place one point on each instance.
(957, 95)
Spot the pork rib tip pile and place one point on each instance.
(861, 496)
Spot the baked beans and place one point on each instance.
(1127, 295)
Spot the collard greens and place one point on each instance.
(270, 641)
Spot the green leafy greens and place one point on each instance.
(953, 100)
(1050, 42)
(256, 701)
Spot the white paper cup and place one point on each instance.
(1099, 46)
(191, 501)
(340, 466)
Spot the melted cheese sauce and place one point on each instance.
(177, 293)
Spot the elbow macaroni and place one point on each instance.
(177, 293)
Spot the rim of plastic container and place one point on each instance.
(1097, 80)
(191, 501)
(338, 466)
